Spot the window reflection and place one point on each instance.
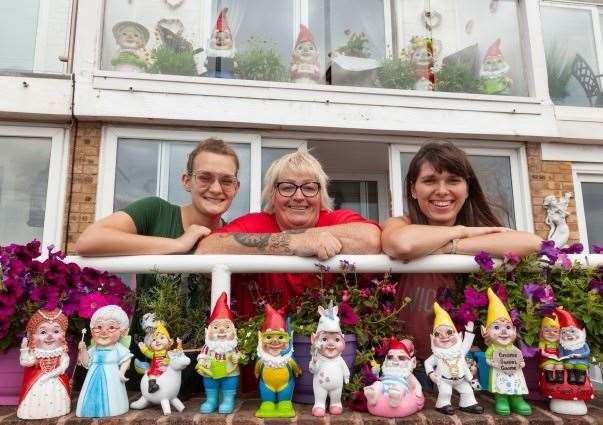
(592, 198)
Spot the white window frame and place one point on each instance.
(56, 192)
(42, 34)
(381, 180)
(108, 159)
(516, 152)
(584, 173)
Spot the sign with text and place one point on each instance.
(508, 361)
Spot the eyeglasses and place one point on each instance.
(205, 179)
(288, 189)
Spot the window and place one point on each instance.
(574, 51)
(124, 177)
(32, 184)
(502, 173)
(33, 35)
(588, 187)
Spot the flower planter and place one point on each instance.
(352, 71)
(303, 387)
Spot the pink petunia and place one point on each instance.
(347, 315)
(90, 303)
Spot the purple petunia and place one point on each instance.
(598, 249)
(532, 291)
(514, 313)
(575, 248)
(347, 315)
(475, 298)
(366, 372)
(566, 263)
(512, 259)
(549, 250)
(484, 260)
(597, 286)
(464, 315)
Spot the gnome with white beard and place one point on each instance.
(494, 71)
(447, 366)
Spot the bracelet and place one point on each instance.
(455, 244)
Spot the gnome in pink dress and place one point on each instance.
(305, 66)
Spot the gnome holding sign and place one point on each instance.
(494, 71)
(305, 67)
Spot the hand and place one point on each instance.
(471, 232)
(433, 377)
(522, 364)
(81, 346)
(234, 358)
(141, 346)
(24, 343)
(315, 244)
(123, 378)
(189, 239)
(469, 327)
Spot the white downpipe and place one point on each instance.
(220, 282)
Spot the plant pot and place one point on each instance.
(352, 71)
(304, 392)
(219, 67)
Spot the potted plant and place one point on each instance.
(260, 62)
(28, 283)
(396, 73)
(174, 55)
(559, 72)
(457, 78)
(351, 64)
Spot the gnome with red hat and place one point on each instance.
(494, 70)
(221, 43)
(218, 361)
(305, 66)
(276, 369)
(397, 393)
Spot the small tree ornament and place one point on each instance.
(45, 392)
(305, 64)
(276, 369)
(328, 367)
(506, 380)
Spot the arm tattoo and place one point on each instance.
(272, 243)
(280, 244)
(252, 240)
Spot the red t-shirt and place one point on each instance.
(277, 288)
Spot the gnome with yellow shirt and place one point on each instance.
(447, 366)
(156, 351)
(506, 380)
(549, 350)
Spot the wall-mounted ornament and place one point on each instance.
(556, 211)
(174, 4)
(493, 6)
(431, 19)
(469, 26)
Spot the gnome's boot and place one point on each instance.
(519, 405)
(560, 376)
(153, 387)
(267, 410)
(549, 376)
(284, 409)
(228, 401)
(211, 403)
(571, 376)
(580, 377)
(502, 405)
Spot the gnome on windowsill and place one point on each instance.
(221, 43)
(132, 55)
(305, 67)
(494, 71)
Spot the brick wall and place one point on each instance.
(82, 199)
(550, 178)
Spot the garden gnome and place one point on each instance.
(447, 367)
(107, 360)
(305, 66)
(156, 351)
(506, 380)
(275, 368)
(397, 393)
(132, 55)
(549, 350)
(494, 71)
(422, 57)
(328, 367)
(45, 392)
(574, 353)
(221, 43)
(218, 361)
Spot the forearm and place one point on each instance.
(355, 238)
(414, 240)
(498, 244)
(247, 243)
(107, 241)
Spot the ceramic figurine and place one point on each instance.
(167, 383)
(221, 43)
(156, 350)
(107, 360)
(556, 213)
(328, 367)
(571, 385)
(447, 367)
(218, 361)
(422, 57)
(132, 55)
(494, 71)
(548, 345)
(45, 392)
(305, 65)
(397, 393)
(276, 369)
(506, 380)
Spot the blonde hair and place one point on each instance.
(298, 162)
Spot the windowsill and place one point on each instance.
(579, 113)
(28, 74)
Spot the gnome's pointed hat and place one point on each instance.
(161, 329)
(550, 322)
(222, 21)
(304, 35)
(221, 309)
(273, 320)
(496, 308)
(329, 321)
(405, 345)
(441, 317)
(566, 319)
(494, 49)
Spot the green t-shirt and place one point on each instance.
(154, 216)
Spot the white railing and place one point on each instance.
(222, 266)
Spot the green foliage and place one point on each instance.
(129, 58)
(247, 334)
(356, 45)
(559, 71)
(260, 62)
(456, 78)
(397, 73)
(182, 303)
(172, 62)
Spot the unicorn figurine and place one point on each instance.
(328, 367)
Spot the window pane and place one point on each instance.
(23, 184)
(135, 171)
(359, 196)
(567, 33)
(494, 173)
(592, 198)
(269, 155)
(474, 46)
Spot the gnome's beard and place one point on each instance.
(274, 361)
(452, 352)
(396, 371)
(494, 70)
(220, 347)
(576, 344)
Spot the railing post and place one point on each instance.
(220, 282)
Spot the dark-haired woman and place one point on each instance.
(448, 214)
